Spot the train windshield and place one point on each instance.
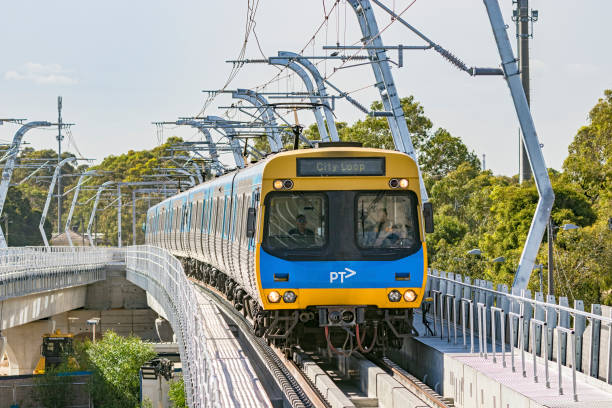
(296, 221)
(386, 220)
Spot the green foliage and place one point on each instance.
(52, 390)
(589, 163)
(20, 222)
(176, 393)
(115, 362)
(475, 209)
(374, 132)
(443, 153)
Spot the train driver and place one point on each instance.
(300, 227)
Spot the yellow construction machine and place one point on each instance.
(56, 348)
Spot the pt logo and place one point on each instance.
(345, 274)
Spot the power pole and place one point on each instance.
(523, 19)
(59, 158)
(551, 263)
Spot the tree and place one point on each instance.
(52, 390)
(443, 153)
(374, 131)
(589, 163)
(116, 362)
(20, 222)
(176, 393)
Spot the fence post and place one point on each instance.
(551, 322)
(595, 340)
(564, 321)
(579, 327)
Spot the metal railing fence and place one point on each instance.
(27, 270)
(178, 298)
(522, 322)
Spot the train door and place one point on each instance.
(231, 248)
(239, 252)
(176, 225)
(205, 226)
(251, 242)
(201, 223)
(169, 227)
(193, 227)
(223, 233)
(213, 232)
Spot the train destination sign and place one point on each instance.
(341, 166)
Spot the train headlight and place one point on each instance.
(395, 296)
(279, 184)
(274, 297)
(394, 183)
(403, 183)
(289, 296)
(410, 295)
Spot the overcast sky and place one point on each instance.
(120, 65)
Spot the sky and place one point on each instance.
(120, 65)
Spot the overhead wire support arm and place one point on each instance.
(198, 124)
(453, 59)
(229, 132)
(292, 65)
(94, 209)
(385, 83)
(321, 92)
(358, 105)
(261, 103)
(43, 217)
(82, 179)
(7, 172)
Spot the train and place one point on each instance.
(328, 239)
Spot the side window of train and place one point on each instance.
(196, 217)
(239, 218)
(215, 217)
(227, 216)
(251, 223)
(251, 219)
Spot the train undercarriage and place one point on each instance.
(342, 329)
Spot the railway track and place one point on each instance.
(318, 379)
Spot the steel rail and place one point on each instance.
(413, 384)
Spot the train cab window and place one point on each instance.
(296, 221)
(386, 220)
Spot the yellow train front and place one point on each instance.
(341, 239)
(326, 240)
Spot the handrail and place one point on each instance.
(534, 302)
(179, 300)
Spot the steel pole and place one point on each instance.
(385, 83)
(530, 138)
(133, 217)
(523, 51)
(59, 158)
(551, 262)
(119, 215)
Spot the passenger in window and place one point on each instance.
(300, 227)
(383, 225)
